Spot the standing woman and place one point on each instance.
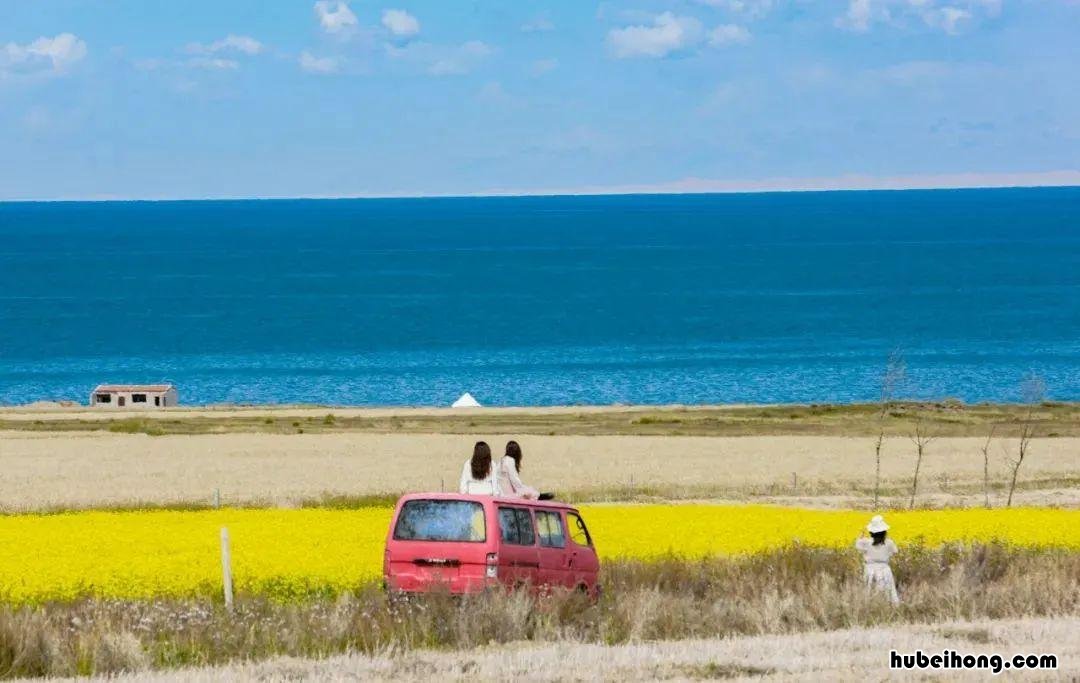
(510, 474)
(877, 551)
(478, 475)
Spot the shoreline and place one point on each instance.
(49, 407)
(71, 408)
(945, 418)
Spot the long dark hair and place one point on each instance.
(481, 460)
(513, 450)
(879, 537)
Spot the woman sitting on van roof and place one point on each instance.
(478, 476)
(510, 474)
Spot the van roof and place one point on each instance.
(551, 504)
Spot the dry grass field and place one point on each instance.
(806, 455)
(949, 418)
(858, 654)
(785, 596)
(45, 470)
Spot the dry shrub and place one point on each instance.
(119, 653)
(31, 646)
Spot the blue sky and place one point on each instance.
(247, 98)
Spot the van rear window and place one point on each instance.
(441, 520)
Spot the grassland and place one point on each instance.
(52, 471)
(791, 591)
(851, 654)
(773, 603)
(947, 418)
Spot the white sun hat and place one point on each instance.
(877, 524)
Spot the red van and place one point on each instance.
(467, 543)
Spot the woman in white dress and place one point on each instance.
(877, 551)
(478, 476)
(510, 474)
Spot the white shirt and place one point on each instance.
(510, 483)
(488, 486)
(876, 554)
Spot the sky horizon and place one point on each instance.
(1050, 180)
(328, 98)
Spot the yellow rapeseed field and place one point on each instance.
(288, 554)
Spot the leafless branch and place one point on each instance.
(1033, 389)
(986, 467)
(921, 439)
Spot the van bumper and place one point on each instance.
(454, 586)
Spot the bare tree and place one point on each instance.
(986, 467)
(1033, 390)
(921, 439)
(877, 465)
(895, 370)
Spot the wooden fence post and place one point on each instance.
(226, 568)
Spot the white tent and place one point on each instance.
(466, 401)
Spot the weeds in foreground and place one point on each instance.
(792, 590)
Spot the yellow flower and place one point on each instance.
(293, 554)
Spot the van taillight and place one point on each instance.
(492, 565)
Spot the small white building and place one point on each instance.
(134, 396)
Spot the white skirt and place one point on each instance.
(879, 577)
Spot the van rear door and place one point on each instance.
(438, 541)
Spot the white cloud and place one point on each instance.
(951, 16)
(858, 16)
(538, 24)
(728, 34)
(948, 19)
(668, 33)
(214, 63)
(317, 65)
(441, 60)
(400, 23)
(44, 55)
(230, 43)
(752, 9)
(335, 16)
(460, 60)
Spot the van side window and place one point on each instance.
(525, 525)
(578, 533)
(550, 528)
(515, 526)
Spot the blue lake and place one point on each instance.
(786, 297)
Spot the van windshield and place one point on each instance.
(441, 520)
